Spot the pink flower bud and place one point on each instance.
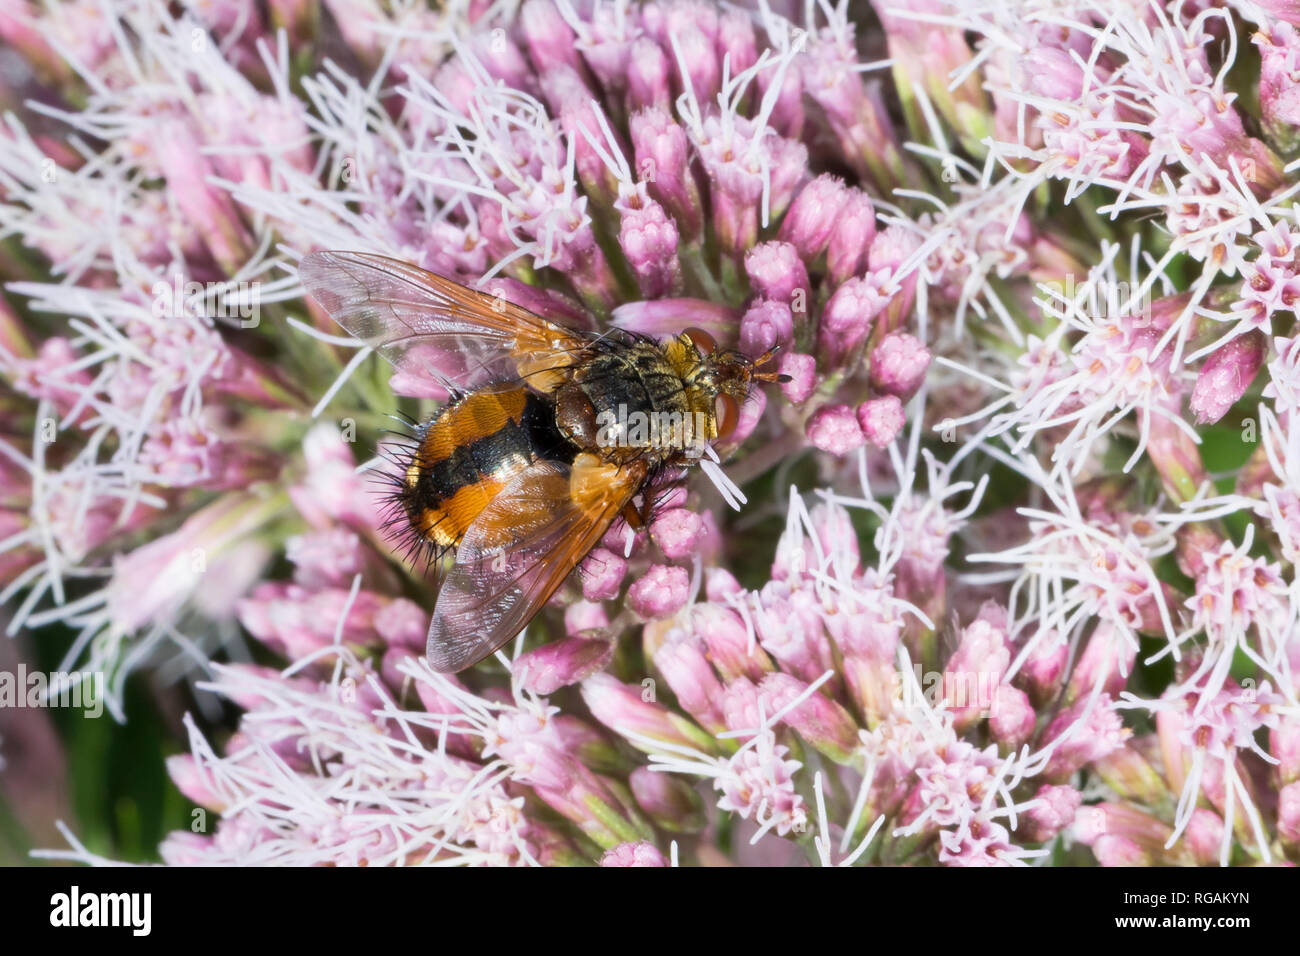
(390, 666)
(847, 318)
(209, 209)
(1012, 717)
(811, 219)
(787, 116)
(892, 248)
(152, 583)
(1107, 659)
(193, 782)
(546, 669)
(633, 854)
(1288, 10)
(736, 39)
(834, 530)
(751, 413)
(1204, 836)
(331, 491)
(777, 273)
(616, 540)
(790, 628)
(881, 420)
(719, 584)
(974, 671)
(1044, 666)
(584, 616)
(456, 83)
(702, 66)
(183, 848)
(51, 375)
(668, 800)
(549, 39)
(647, 75)
(628, 709)
(855, 228)
(660, 593)
(1052, 73)
(1055, 813)
(504, 60)
(403, 623)
(818, 719)
(602, 575)
(325, 558)
(691, 678)
(802, 370)
(1090, 823)
(1113, 850)
(663, 318)
(726, 642)
(1226, 375)
(1288, 813)
(673, 497)
(742, 706)
(648, 237)
(1099, 734)
(1279, 75)
(1284, 744)
(835, 430)
(898, 365)
(572, 102)
(677, 532)
(766, 324)
(662, 163)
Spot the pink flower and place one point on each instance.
(1226, 375)
(602, 575)
(881, 420)
(766, 325)
(834, 429)
(660, 593)
(561, 663)
(809, 224)
(693, 681)
(802, 372)
(678, 533)
(633, 854)
(898, 365)
(777, 274)
(848, 317)
(855, 228)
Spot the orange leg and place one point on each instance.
(634, 518)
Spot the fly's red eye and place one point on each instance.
(727, 413)
(701, 340)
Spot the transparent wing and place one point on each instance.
(433, 328)
(518, 552)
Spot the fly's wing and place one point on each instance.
(433, 328)
(518, 552)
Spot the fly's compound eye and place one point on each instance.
(727, 412)
(702, 340)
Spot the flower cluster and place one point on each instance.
(1030, 271)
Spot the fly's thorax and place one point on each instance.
(631, 402)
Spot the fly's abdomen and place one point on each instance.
(470, 453)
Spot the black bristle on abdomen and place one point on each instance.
(396, 524)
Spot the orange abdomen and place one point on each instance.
(470, 452)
